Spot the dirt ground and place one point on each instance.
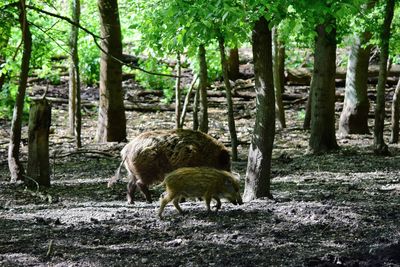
(340, 209)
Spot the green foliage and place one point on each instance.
(50, 74)
(301, 115)
(213, 61)
(7, 101)
(167, 27)
(89, 60)
(155, 82)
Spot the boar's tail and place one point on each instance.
(116, 177)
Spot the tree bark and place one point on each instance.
(178, 93)
(323, 137)
(278, 81)
(380, 148)
(394, 138)
(187, 100)
(2, 80)
(203, 84)
(233, 64)
(307, 111)
(4, 39)
(354, 116)
(16, 169)
(196, 109)
(112, 122)
(38, 169)
(74, 103)
(258, 175)
(228, 90)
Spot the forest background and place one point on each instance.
(112, 53)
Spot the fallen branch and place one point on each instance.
(82, 151)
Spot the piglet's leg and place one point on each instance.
(163, 202)
(208, 201)
(218, 205)
(176, 204)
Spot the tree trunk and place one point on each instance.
(178, 93)
(74, 101)
(323, 137)
(307, 111)
(233, 64)
(38, 169)
(258, 173)
(278, 82)
(2, 80)
(394, 138)
(16, 169)
(196, 109)
(4, 39)
(203, 84)
(231, 119)
(187, 100)
(111, 123)
(380, 148)
(354, 117)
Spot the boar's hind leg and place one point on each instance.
(131, 190)
(145, 190)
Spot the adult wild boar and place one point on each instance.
(204, 182)
(150, 155)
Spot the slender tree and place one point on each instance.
(16, 169)
(74, 101)
(196, 109)
(233, 64)
(278, 68)
(203, 84)
(258, 174)
(228, 91)
(380, 146)
(354, 116)
(307, 116)
(394, 137)
(178, 93)
(111, 122)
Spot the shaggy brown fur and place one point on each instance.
(151, 155)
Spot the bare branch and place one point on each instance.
(70, 21)
(95, 37)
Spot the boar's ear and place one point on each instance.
(224, 160)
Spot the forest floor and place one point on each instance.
(338, 209)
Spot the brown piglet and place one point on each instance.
(200, 182)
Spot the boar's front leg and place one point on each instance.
(218, 205)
